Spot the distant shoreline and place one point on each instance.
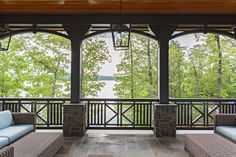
(106, 78)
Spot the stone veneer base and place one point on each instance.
(74, 119)
(164, 120)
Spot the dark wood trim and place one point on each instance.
(224, 33)
(22, 31)
(132, 31)
(155, 19)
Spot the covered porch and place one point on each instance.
(76, 114)
(161, 116)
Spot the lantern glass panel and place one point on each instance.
(5, 43)
(121, 36)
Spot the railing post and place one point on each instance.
(1, 105)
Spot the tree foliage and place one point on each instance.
(204, 70)
(137, 70)
(39, 66)
(95, 53)
(207, 66)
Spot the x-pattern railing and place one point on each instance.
(119, 113)
(199, 113)
(122, 113)
(49, 111)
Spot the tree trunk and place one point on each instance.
(132, 72)
(197, 92)
(54, 84)
(55, 79)
(3, 74)
(219, 71)
(149, 69)
(179, 80)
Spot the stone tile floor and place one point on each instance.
(103, 143)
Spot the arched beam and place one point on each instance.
(16, 32)
(108, 30)
(224, 33)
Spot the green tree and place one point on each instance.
(38, 65)
(217, 69)
(208, 70)
(176, 69)
(195, 65)
(95, 53)
(49, 56)
(137, 71)
(14, 69)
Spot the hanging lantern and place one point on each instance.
(5, 37)
(121, 36)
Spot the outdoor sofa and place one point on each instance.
(219, 144)
(19, 139)
(225, 126)
(13, 126)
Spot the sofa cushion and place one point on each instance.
(3, 142)
(16, 131)
(5, 119)
(228, 131)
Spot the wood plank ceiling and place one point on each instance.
(118, 6)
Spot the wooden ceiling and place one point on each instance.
(118, 6)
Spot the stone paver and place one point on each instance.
(99, 144)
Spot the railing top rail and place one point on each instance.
(119, 99)
(83, 99)
(124, 99)
(36, 99)
(204, 99)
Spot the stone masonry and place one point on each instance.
(164, 119)
(74, 119)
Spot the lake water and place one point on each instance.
(107, 90)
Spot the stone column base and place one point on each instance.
(164, 122)
(74, 119)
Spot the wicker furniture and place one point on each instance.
(225, 126)
(7, 151)
(20, 119)
(24, 118)
(209, 145)
(32, 144)
(38, 145)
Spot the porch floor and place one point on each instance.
(122, 143)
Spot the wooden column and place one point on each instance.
(163, 34)
(74, 116)
(75, 33)
(164, 113)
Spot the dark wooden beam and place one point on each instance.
(215, 31)
(154, 19)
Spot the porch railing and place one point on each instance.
(49, 111)
(121, 113)
(198, 113)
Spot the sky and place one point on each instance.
(109, 68)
